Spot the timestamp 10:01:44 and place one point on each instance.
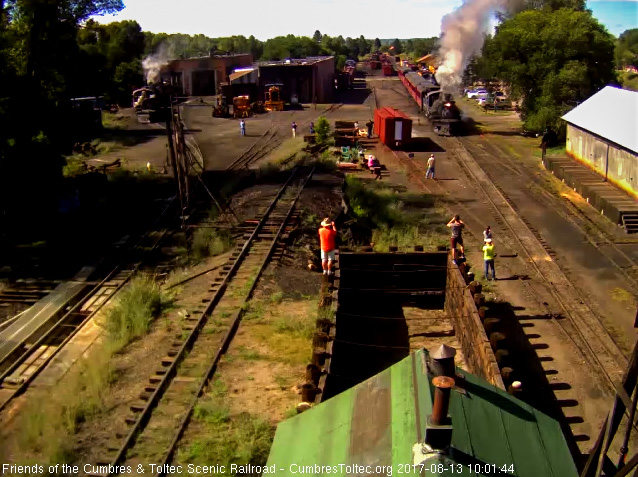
(461, 469)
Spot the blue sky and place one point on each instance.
(616, 16)
(370, 18)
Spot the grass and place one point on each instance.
(135, 309)
(209, 242)
(550, 151)
(49, 421)
(383, 216)
(628, 80)
(226, 438)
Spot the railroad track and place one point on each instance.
(156, 423)
(576, 218)
(29, 357)
(579, 323)
(271, 139)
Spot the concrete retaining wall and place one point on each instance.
(461, 308)
(618, 165)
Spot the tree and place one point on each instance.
(552, 60)
(627, 48)
(397, 47)
(377, 44)
(322, 129)
(364, 46)
(317, 36)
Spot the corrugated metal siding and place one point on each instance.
(377, 422)
(619, 166)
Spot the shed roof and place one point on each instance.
(612, 114)
(377, 423)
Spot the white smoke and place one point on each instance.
(462, 36)
(152, 64)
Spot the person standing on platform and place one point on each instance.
(457, 225)
(242, 127)
(327, 236)
(294, 129)
(488, 257)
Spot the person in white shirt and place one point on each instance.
(430, 171)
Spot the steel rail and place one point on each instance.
(524, 172)
(156, 395)
(619, 359)
(54, 329)
(244, 160)
(228, 337)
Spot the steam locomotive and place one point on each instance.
(152, 103)
(440, 108)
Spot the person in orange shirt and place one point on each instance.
(327, 236)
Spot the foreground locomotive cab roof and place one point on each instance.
(378, 422)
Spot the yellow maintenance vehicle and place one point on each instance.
(241, 106)
(273, 100)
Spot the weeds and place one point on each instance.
(137, 306)
(385, 217)
(227, 438)
(277, 297)
(210, 242)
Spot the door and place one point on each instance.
(398, 129)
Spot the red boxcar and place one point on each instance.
(393, 127)
(387, 69)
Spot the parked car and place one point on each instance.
(487, 100)
(503, 103)
(499, 94)
(477, 93)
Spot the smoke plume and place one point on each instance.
(462, 36)
(153, 63)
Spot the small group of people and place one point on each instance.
(457, 226)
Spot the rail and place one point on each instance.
(66, 327)
(182, 353)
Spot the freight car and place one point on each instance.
(387, 69)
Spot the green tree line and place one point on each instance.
(551, 55)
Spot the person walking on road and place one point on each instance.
(369, 125)
(294, 129)
(430, 171)
(242, 127)
(457, 225)
(327, 236)
(312, 127)
(488, 257)
(487, 233)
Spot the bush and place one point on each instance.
(322, 129)
(210, 242)
(137, 306)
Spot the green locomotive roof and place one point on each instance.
(378, 422)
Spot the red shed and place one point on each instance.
(393, 127)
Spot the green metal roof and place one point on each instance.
(377, 423)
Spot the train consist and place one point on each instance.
(438, 107)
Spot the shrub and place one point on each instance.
(137, 306)
(322, 129)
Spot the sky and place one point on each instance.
(370, 18)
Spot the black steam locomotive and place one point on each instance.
(445, 116)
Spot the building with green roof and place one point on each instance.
(379, 427)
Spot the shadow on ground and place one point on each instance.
(522, 357)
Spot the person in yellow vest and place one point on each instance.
(488, 256)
